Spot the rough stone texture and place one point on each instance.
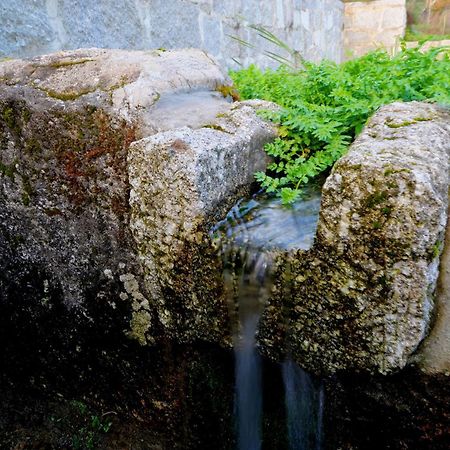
(362, 297)
(181, 184)
(103, 208)
(67, 121)
(128, 83)
(373, 24)
(314, 27)
(434, 354)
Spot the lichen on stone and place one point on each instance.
(361, 298)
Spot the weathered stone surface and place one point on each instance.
(105, 206)
(369, 25)
(67, 229)
(362, 297)
(126, 83)
(182, 182)
(434, 354)
(34, 19)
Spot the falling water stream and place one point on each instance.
(304, 397)
(249, 237)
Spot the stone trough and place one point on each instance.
(105, 202)
(115, 164)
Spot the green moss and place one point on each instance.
(15, 115)
(26, 115)
(215, 127)
(8, 170)
(376, 225)
(401, 124)
(25, 199)
(32, 146)
(121, 83)
(58, 65)
(67, 96)
(392, 171)
(392, 185)
(437, 247)
(375, 199)
(423, 119)
(386, 210)
(9, 118)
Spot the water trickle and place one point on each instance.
(252, 292)
(249, 237)
(263, 223)
(304, 397)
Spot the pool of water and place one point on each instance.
(263, 223)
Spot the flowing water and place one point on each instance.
(304, 399)
(249, 237)
(252, 292)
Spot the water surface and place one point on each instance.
(248, 238)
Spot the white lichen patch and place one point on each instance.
(140, 324)
(131, 286)
(141, 318)
(108, 274)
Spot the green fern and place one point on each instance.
(324, 106)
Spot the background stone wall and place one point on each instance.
(313, 27)
(373, 24)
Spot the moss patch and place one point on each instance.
(67, 96)
(375, 199)
(7, 170)
(60, 64)
(8, 117)
(229, 91)
(216, 127)
(401, 124)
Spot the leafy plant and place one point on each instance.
(91, 426)
(325, 105)
(294, 59)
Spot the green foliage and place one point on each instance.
(294, 59)
(324, 106)
(90, 427)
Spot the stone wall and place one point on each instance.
(31, 27)
(373, 24)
